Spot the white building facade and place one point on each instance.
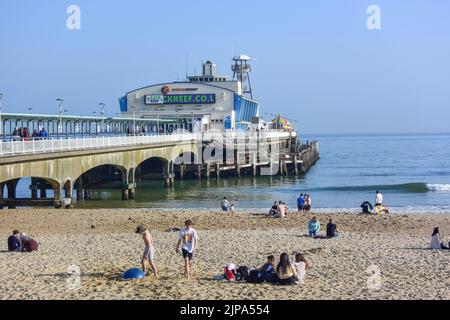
(202, 103)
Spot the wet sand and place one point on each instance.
(387, 259)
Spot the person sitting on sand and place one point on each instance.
(332, 230)
(301, 265)
(268, 269)
(366, 207)
(314, 227)
(436, 243)
(225, 204)
(286, 271)
(14, 244)
(381, 210)
(188, 240)
(281, 210)
(273, 210)
(28, 243)
(149, 251)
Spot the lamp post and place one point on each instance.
(1, 123)
(102, 114)
(61, 101)
(134, 119)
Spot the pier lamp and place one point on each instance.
(1, 123)
(102, 114)
(134, 118)
(61, 101)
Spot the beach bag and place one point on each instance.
(255, 276)
(242, 273)
(228, 274)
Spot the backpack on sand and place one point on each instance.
(242, 273)
(255, 276)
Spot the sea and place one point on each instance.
(412, 171)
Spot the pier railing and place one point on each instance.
(40, 146)
(12, 148)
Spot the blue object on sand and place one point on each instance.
(134, 273)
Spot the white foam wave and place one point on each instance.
(438, 187)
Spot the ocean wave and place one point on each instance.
(418, 187)
(438, 187)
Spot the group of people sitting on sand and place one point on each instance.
(20, 242)
(379, 209)
(227, 206)
(314, 229)
(279, 210)
(285, 272)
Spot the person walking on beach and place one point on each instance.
(314, 227)
(225, 204)
(300, 203)
(378, 198)
(188, 240)
(149, 251)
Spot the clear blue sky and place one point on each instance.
(315, 60)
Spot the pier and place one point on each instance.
(64, 171)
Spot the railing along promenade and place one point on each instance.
(42, 146)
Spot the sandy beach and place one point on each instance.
(102, 243)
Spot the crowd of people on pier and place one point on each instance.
(23, 134)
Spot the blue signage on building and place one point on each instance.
(153, 99)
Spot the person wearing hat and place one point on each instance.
(149, 252)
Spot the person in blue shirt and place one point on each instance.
(314, 227)
(301, 203)
(14, 244)
(43, 133)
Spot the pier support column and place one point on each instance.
(295, 165)
(218, 170)
(68, 191)
(254, 164)
(87, 194)
(199, 171)
(2, 187)
(79, 193)
(238, 171)
(43, 188)
(171, 180)
(125, 194)
(132, 193)
(208, 170)
(34, 189)
(181, 171)
(80, 189)
(11, 185)
(57, 190)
